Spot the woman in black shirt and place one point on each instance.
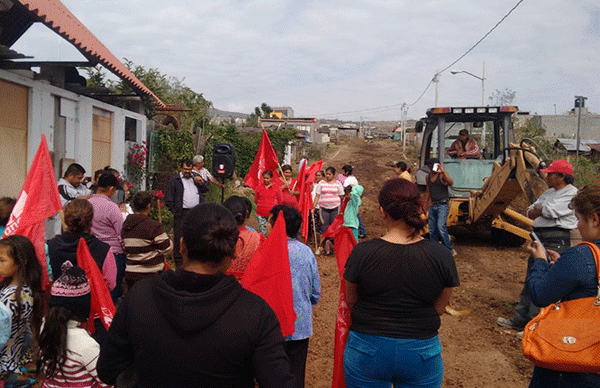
(397, 286)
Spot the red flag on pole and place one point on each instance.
(266, 159)
(102, 304)
(38, 200)
(306, 203)
(344, 242)
(268, 275)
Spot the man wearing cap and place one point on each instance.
(465, 147)
(553, 221)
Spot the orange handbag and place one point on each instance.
(565, 336)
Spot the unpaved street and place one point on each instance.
(477, 352)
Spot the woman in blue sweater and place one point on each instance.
(571, 275)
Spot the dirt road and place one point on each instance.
(477, 352)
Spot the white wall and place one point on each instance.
(78, 110)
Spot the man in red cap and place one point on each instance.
(553, 221)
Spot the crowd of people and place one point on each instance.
(195, 325)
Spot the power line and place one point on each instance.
(434, 79)
(480, 40)
(467, 52)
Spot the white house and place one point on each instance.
(78, 128)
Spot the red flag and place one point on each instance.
(38, 200)
(338, 222)
(344, 242)
(102, 304)
(268, 275)
(306, 203)
(266, 159)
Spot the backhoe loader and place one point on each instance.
(490, 193)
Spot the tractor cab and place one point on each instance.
(490, 126)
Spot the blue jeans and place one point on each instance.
(438, 216)
(372, 361)
(543, 378)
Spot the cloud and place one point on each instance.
(324, 57)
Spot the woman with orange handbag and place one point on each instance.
(569, 276)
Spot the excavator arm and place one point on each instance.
(518, 174)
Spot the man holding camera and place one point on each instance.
(437, 188)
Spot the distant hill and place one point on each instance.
(213, 112)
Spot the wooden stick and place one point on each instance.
(315, 231)
(282, 176)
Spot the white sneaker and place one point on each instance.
(318, 251)
(454, 253)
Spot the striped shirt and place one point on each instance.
(79, 369)
(329, 194)
(146, 244)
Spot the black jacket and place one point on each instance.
(63, 247)
(174, 194)
(182, 329)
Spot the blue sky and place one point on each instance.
(326, 57)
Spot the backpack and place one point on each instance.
(564, 336)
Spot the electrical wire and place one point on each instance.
(434, 79)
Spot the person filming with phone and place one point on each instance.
(565, 277)
(553, 220)
(438, 182)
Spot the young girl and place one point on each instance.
(353, 193)
(68, 354)
(21, 292)
(266, 197)
(290, 189)
(329, 197)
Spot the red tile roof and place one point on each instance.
(57, 17)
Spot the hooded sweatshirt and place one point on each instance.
(351, 212)
(64, 247)
(182, 329)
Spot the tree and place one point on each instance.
(501, 98)
(263, 112)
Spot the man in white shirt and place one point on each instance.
(183, 193)
(201, 174)
(70, 186)
(553, 221)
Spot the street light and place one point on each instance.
(478, 77)
(482, 95)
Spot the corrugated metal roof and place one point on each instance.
(571, 144)
(57, 17)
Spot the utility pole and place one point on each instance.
(403, 116)
(581, 100)
(436, 80)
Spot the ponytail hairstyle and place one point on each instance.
(29, 273)
(587, 201)
(237, 206)
(210, 233)
(70, 299)
(52, 352)
(400, 199)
